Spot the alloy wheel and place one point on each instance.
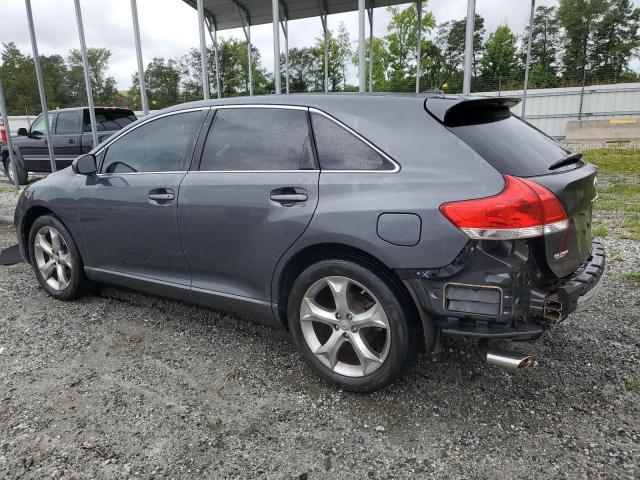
(345, 326)
(53, 258)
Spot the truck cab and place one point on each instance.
(71, 136)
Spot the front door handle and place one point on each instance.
(71, 140)
(162, 195)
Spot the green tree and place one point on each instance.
(615, 38)
(402, 39)
(103, 87)
(162, 81)
(499, 60)
(545, 48)
(578, 18)
(301, 65)
(19, 81)
(450, 39)
(232, 57)
(339, 48)
(380, 63)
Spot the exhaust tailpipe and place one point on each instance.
(512, 360)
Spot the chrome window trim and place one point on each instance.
(117, 174)
(260, 105)
(256, 171)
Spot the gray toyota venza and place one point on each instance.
(367, 226)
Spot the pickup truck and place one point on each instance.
(71, 136)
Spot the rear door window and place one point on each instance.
(68, 123)
(255, 139)
(339, 149)
(509, 144)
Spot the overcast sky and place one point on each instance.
(169, 27)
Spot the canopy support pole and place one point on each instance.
(275, 12)
(203, 51)
(468, 47)
(4, 115)
(528, 61)
(136, 37)
(361, 55)
(285, 32)
(213, 34)
(370, 11)
(323, 19)
(419, 46)
(87, 74)
(246, 28)
(43, 98)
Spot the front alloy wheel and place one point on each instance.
(53, 258)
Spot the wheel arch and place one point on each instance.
(29, 218)
(326, 251)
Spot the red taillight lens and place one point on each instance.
(3, 133)
(523, 209)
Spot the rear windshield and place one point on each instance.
(510, 145)
(109, 119)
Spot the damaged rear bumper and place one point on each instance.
(498, 290)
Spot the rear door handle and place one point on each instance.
(289, 197)
(162, 195)
(71, 140)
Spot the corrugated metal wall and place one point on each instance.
(550, 109)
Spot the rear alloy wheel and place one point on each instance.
(351, 326)
(55, 259)
(345, 326)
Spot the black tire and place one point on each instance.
(23, 175)
(78, 282)
(405, 334)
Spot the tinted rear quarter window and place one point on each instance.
(339, 149)
(250, 139)
(509, 144)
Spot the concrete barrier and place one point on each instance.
(619, 130)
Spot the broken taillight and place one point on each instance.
(524, 209)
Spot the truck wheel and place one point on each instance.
(21, 172)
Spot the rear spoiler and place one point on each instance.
(449, 110)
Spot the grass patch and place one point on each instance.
(633, 276)
(7, 188)
(633, 384)
(600, 231)
(632, 225)
(614, 160)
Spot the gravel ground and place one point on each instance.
(120, 384)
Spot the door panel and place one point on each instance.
(233, 233)
(126, 231)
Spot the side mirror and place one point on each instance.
(23, 132)
(85, 165)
